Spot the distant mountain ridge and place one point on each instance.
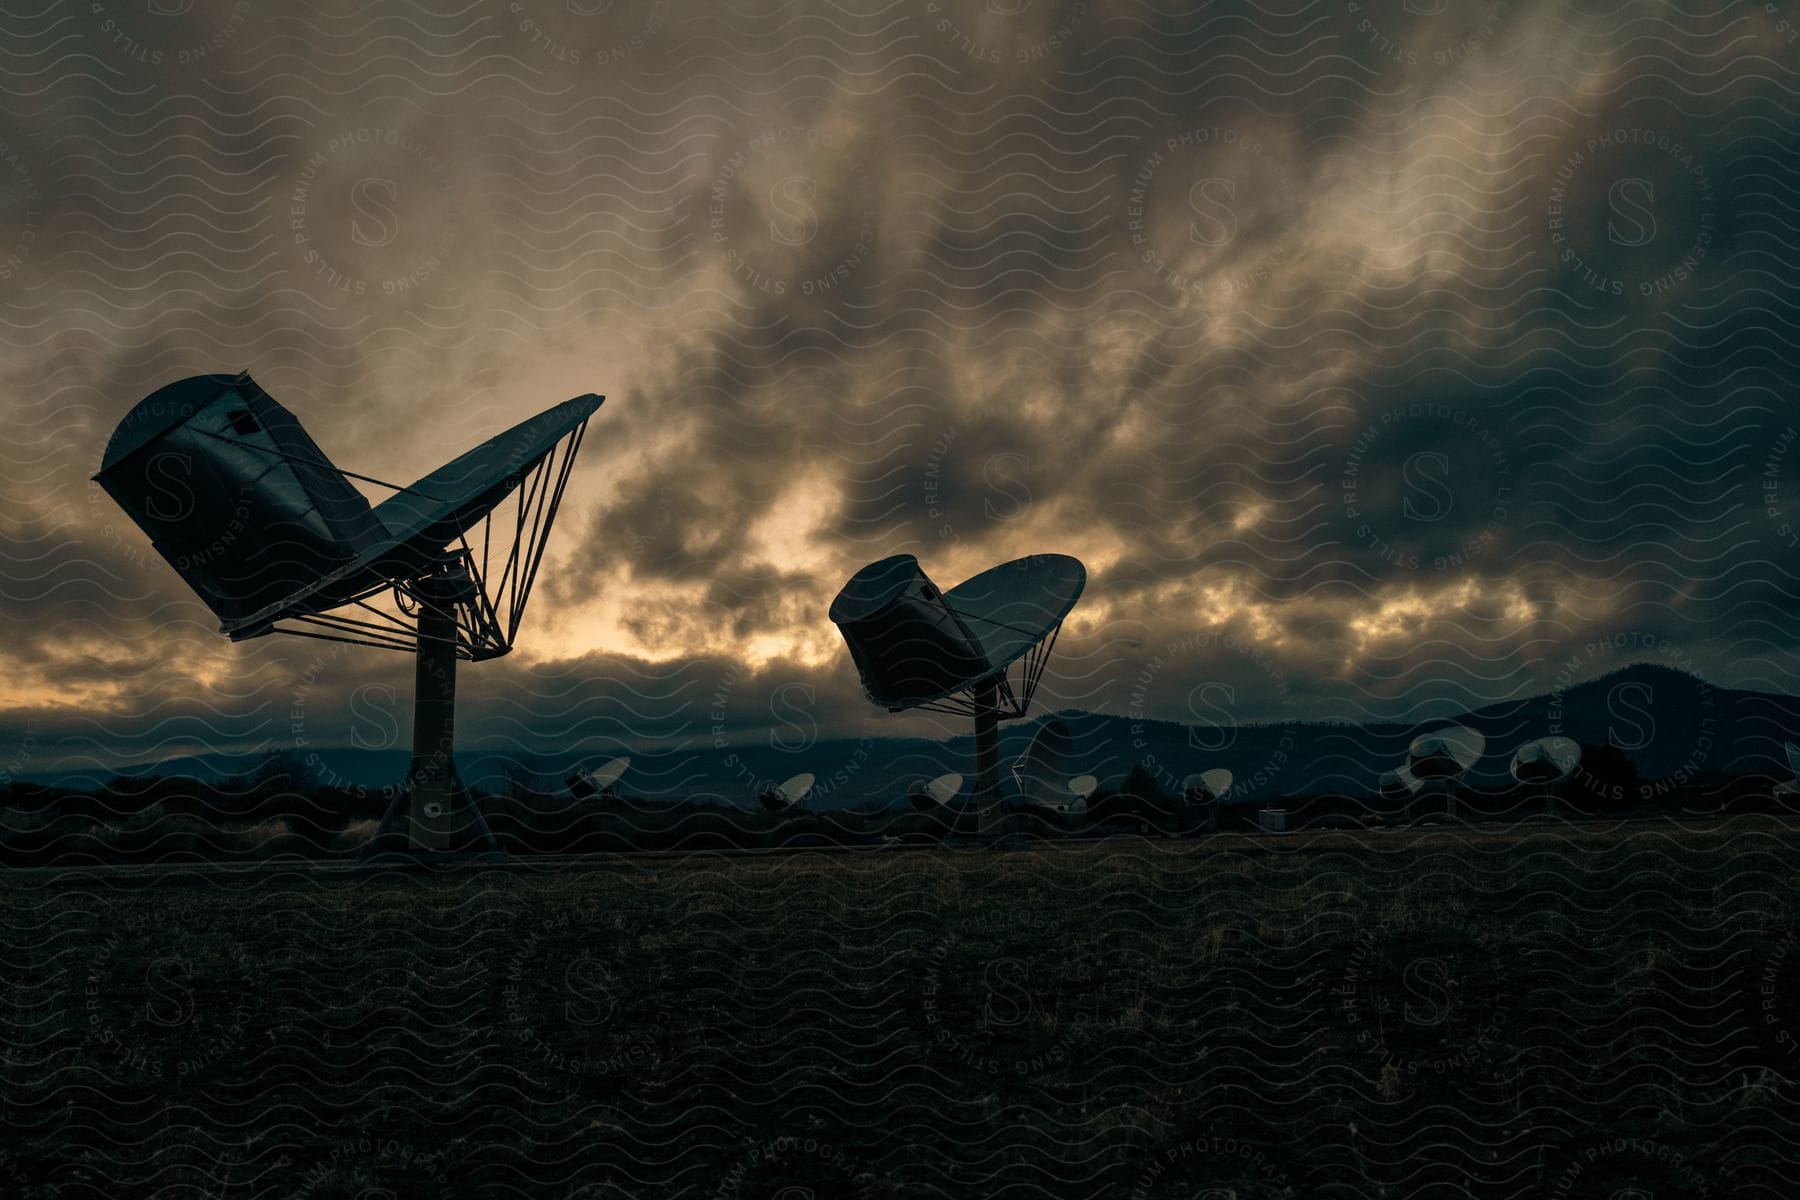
(1672, 725)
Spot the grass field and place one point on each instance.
(1527, 1014)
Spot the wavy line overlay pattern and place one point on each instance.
(1385, 361)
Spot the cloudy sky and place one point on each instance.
(1380, 358)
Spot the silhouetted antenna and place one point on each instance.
(1206, 787)
(271, 535)
(918, 647)
(787, 795)
(1546, 762)
(1399, 784)
(1436, 760)
(585, 785)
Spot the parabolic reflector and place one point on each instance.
(421, 520)
(913, 643)
(265, 527)
(1399, 784)
(1211, 784)
(1545, 760)
(788, 793)
(942, 790)
(1445, 753)
(594, 783)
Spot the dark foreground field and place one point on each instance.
(1527, 1014)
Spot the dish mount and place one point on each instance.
(916, 646)
(274, 538)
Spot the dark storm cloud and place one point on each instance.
(1404, 345)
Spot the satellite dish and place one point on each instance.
(1399, 784)
(916, 646)
(928, 797)
(600, 780)
(1206, 787)
(787, 795)
(1546, 760)
(1081, 787)
(1437, 759)
(1793, 757)
(1446, 753)
(273, 537)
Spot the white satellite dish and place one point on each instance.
(938, 793)
(1439, 758)
(600, 780)
(1399, 784)
(1207, 786)
(1546, 760)
(1446, 753)
(787, 795)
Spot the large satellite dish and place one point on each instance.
(787, 795)
(274, 538)
(917, 646)
(584, 785)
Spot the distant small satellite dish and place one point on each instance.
(1205, 787)
(1546, 760)
(938, 793)
(1082, 786)
(1446, 753)
(1399, 784)
(787, 795)
(585, 786)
